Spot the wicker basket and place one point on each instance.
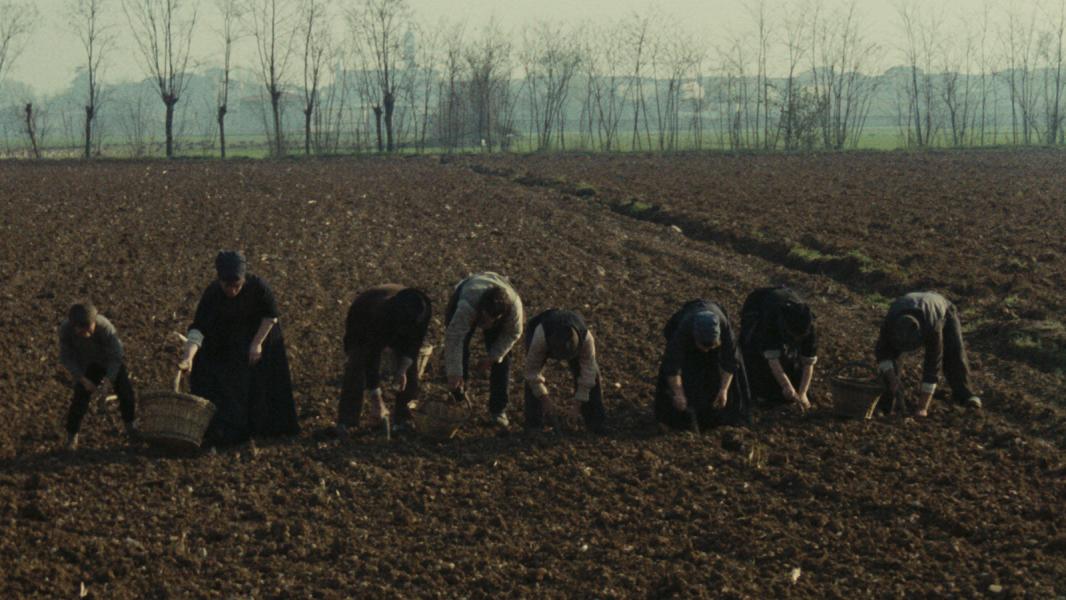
(174, 420)
(856, 397)
(442, 419)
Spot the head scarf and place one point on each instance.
(230, 265)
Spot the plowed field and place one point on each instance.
(959, 504)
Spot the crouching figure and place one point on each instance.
(562, 335)
(926, 319)
(388, 316)
(701, 377)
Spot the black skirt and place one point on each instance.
(251, 400)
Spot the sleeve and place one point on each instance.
(512, 331)
(590, 371)
(809, 347)
(884, 353)
(536, 356)
(771, 343)
(674, 356)
(205, 312)
(934, 353)
(113, 350)
(67, 357)
(268, 305)
(406, 348)
(455, 336)
(727, 354)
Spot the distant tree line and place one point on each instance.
(367, 76)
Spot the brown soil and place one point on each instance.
(959, 504)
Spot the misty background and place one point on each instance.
(323, 77)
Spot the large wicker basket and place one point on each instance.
(442, 419)
(174, 420)
(854, 396)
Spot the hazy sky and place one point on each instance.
(53, 54)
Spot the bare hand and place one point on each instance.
(803, 402)
(88, 384)
(680, 402)
(378, 410)
(255, 353)
(185, 364)
(923, 405)
(722, 399)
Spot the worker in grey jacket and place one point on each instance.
(90, 350)
(926, 319)
(486, 301)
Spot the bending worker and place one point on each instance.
(562, 335)
(926, 319)
(387, 316)
(486, 301)
(701, 363)
(777, 339)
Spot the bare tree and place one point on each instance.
(317, 49)
(273, 25)
(18, 18)
(379, 25)
(550, 60)
(31, 130)
(840, 53)
(641, 35)
(489, 86)
(427, 54)
(163, 31)
(796, 47)
(230, 12)
(757, 11)
(86, 19)
(604, 50)
(1019, 38)
(1050, 50)
(450, 100)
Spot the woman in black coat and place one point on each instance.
(701, 380)
(236, 353)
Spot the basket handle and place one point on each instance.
(177, 381)
(856, 364)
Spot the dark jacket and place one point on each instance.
(102, 348)
(380, 318)
(761, 331)
(932, 311)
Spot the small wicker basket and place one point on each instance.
(442, 419)
(856, 397)
(174, 420)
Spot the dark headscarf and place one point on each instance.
(230, 265)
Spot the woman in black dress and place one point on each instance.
(236, 354)
(702, 382)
